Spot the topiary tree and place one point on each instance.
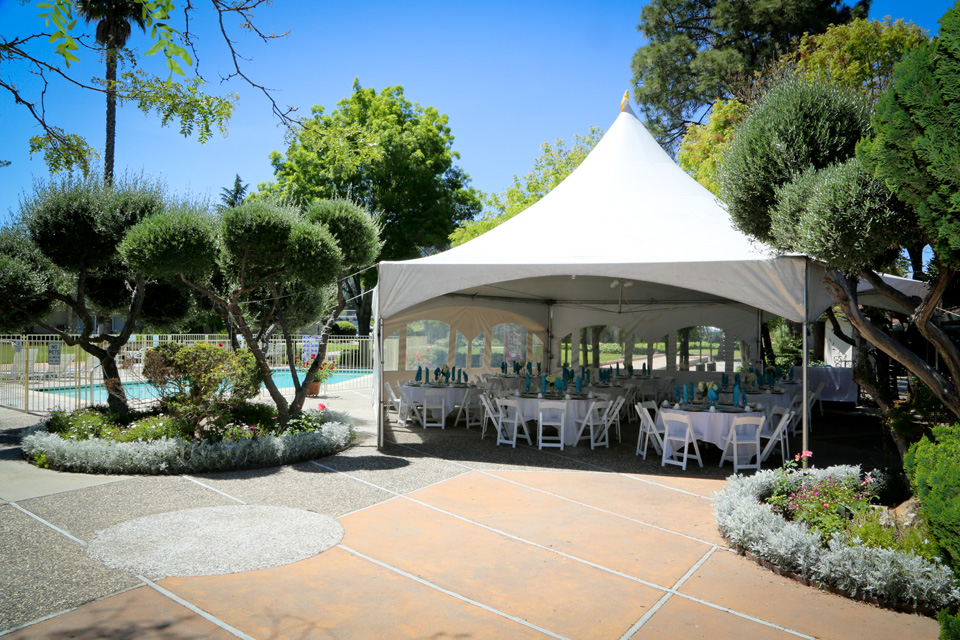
(790, 179)
(798, 125)
(63, 250)
(266, 252)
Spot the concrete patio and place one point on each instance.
(444, 536)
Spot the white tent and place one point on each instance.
(628, 239)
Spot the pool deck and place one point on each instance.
(445, 536)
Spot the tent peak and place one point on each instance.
(625, 104)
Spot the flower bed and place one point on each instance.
(175, 455)
(884, 576)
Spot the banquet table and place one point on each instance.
(838, 384)
(454, 394)
(708, 426)
(513, 383)
(576, 409)
(768, 399)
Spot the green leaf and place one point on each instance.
(157, 46)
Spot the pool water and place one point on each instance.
(146, 391)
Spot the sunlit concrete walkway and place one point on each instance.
(445, 536)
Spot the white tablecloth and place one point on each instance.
(768, 399)
(453, 395)
(838, 384)
(518, 382)
(576, 409)
(709, 426)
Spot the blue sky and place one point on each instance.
(510, 75)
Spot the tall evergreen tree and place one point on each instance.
(698, 49)
(233, 196)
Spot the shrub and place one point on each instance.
(153, 428)
(200, 382)
(81, 425)
(867, 528)
(255, 414)
(343, 329)
(933, 467)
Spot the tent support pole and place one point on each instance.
(548, 345)
(806, 409)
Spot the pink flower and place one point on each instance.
(826, 506)
(803, 454)
(321, 407)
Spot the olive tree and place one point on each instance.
(63, 250)
(790, 178)
(265, 254)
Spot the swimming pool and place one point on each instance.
(146, 391)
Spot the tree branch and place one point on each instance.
(837, 331)
(907, 302)
(844, 291)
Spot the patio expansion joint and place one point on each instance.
(453, 594)
(195, 609)
(206, 486)
(48, 524)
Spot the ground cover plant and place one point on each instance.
(818, 523)
(96, 440)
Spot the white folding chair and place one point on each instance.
(392, 402)
(409, 410)
(470, 409)
(648, 429)
(613, 416)
(796, 408)
(551, 414)
(593, 421)
(817, 398)
(491, 415)
(434, 408)
(780, 416)
(678, 433)
(600, 435)
(742, 443)
(511, 423)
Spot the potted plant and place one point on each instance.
(323, 374)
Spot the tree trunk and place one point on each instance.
(684, 335)
(363, 304)
(595, 345)
(766, 344)
(916, 262)
(108, 148)
(301, 394)
(819, 334)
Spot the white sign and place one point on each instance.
(53, 353)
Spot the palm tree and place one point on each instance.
(114, 19)
(233, 196)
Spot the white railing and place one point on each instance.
(40, 373)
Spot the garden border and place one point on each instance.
(169, 456)
(900, 607)
(857, 572)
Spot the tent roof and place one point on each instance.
(628, 201)
(628, 211)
